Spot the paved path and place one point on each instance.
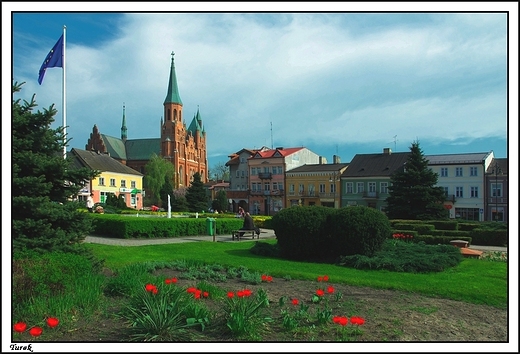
(264, 234)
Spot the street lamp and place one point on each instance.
(333, 178)
(496, 171)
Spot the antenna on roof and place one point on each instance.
(395, 142)
(272, 135)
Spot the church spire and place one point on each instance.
(123, 127)
(173, 91)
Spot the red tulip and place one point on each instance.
(357, 320)
(20, 327)
(174, 280)
(330, 289)
(35, 331)
(269, 278)
(205, 294)
(343, 321)
(336, 319)
(155, 291)
(52, 322)
(230, 294)
(320, 292)
(264, 277)
(168, 281)
(325, 278)
(247, 292)
(149, 287)
(295, 301)
(320, 278)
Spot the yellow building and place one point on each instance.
(316, 184)
(115, 178)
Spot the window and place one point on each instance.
(112, 182)
(458, 171)
(444, 171)
(311, 189)
(350, 187)
(253, 171)
(243, 174)
(123, 183)
(473, 171)
(301, 189)
(446, 193)
(496, 189)
(101, 181)
(459, 192)
(266, 169)
(371, 187)
(291, 188)
(102, 197)
(267, 187)
(132, 184)
(243, 160)
(360, 187)
(384, 187)
(322, 187)
(333, 188)
(237, 174)
(473, 192)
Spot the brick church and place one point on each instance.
(183, 146)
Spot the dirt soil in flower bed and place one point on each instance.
(392, 316)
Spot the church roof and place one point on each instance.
(142, 149)
(173, 95)
(115, 146)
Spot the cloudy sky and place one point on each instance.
(337, 83)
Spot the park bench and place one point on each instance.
(252, 233)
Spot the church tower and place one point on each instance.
(184, 148)
(124, 130)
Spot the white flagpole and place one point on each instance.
(64, 104)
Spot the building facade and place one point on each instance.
(463, 178)
(497, 191)
(115, 178)
(315, 184)
(182, 145)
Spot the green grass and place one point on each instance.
(473, 281)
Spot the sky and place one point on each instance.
(336, 83)
(335, 78)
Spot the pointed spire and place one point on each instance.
(196, 123)
(173, 91)
(123, 127)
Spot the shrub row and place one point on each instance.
(146, 227)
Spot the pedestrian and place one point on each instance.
(248, 224)
(90, 203)
(240, 212)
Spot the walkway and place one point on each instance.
(264, 234)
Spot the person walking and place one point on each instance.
(90, 203)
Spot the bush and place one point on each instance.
(358, 230)
(265, 249)
(420, 228)
(399, 256)
(489, 237)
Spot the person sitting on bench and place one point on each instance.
(248, 224)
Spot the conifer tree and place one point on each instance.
(196, 195)
(413, 193)
(44, 216)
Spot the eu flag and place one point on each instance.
(53, 60)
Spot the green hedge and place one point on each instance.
(443, 224)
(420, 228)
(465, 226)
(452, 233)
(152, 227)
(490, 237)
(440, 240)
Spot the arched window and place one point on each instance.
(181, 175)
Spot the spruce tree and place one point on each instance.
(196, 195)
(413, 193)
(44, 216)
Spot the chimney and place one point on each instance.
(387, 151)
(323, 160)
(335, 159)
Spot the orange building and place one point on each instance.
(183, 146)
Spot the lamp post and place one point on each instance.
(333, 178)
(496, 171)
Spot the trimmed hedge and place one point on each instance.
(452, 233)
(489, 237)
(440, 240)
(443, 224)
(117, 226)
(420, 228)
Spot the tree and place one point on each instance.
(412, 193)
(196, 195)
(166, 190)
(220, 203)
(178, 200)
(157, 172)
(219, 172)
(45, 216)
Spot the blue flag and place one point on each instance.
(53, 60)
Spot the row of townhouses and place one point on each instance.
(265, 180)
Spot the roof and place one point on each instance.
(278, 152)
(142, 149)
(477, 157)
(100, 162)
(503, 164)
(329, 167)
(115, 146)
(173, 96)
(375, 165)
(234, 159)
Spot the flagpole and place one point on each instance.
(64, 100)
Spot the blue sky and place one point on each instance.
(336, 83)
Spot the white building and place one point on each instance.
(463, 177)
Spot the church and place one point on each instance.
(183, 146)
